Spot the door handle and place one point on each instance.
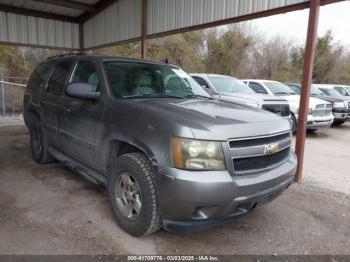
(65, 110)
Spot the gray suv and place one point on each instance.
(169, 155)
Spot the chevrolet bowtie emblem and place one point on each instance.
(271, 149)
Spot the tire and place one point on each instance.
(139, 219)
(338, 122)
(294, 123)
(311, 131)
(39, 144)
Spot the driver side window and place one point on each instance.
(257, 88)
(86, 73)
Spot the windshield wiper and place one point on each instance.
(283, 93)
(153, 96)
(198, 96)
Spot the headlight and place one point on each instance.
(195, 154)
(339, 105)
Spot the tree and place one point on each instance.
(327, 56)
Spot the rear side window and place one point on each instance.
(86, 73)
(59, 77)
(39, 75)
(257, 88)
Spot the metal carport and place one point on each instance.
(90, 24)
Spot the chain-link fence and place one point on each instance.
(11, 97)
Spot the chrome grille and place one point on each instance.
(251, 155)
(322, 110)
(280, 109)
(259, 162)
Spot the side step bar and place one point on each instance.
(84, 171)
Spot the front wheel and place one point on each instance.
(294, 123)
(132, 194)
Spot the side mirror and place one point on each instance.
(82, 90)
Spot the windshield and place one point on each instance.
(279, 88)
(316, 91)
(295, 89)
(229, 85)
(145, 80)
(347, 88)
(332, 93)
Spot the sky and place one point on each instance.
(293, 25)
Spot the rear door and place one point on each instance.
(51, 97)
(80, 119)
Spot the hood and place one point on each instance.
(258, 99)
(328, 98)
(295, 99)
(211, 119)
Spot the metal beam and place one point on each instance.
(69, 4)
(144, 29)
(305, 85)
(98, 7)
(81, 37)
(29, 12)
(270, 12)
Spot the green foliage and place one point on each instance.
(235, 50)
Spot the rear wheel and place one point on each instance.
(132, 194)
(39, 144)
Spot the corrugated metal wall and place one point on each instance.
(120, 21)
(166, 15)
(30, 30)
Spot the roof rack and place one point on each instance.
(67, 54)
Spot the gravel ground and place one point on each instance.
(47, 209)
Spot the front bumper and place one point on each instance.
(340, 114)
(191, 200)
(318, 122)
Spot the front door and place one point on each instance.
(80, 119)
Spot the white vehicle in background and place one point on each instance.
(230, 89)
(319, 111)
(336, 91)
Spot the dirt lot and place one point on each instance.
(50, 210)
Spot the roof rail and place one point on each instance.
(67, 54)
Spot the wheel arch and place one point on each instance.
(120, 146)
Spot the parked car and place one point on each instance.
(330, 91)
(342, 89)
(169, 155)
(230, 89)
(319, 111)
(339, 106)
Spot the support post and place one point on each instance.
(3, 94)
(305, 85)
(144, 29)
(81, 37)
